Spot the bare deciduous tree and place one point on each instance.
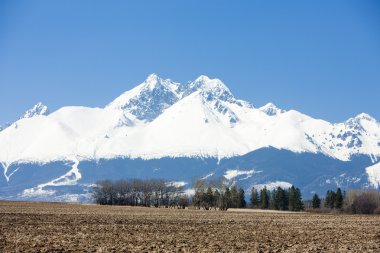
(137, 192)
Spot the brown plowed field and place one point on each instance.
(49, 227)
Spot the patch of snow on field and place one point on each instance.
(37, 192)
(73, 197)
(230, 174)
(373, 173)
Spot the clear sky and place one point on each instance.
(319, 57)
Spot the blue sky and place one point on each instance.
(319, 57)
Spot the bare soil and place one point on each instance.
(52, 227)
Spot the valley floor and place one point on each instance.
(53, 227)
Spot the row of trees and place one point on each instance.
(137, 192)
(354, 201)
(277, 199)
(212, 194)
(333, 200)
(216, 195)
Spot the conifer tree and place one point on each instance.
(273, 202)
(209, 198)
(338, 200)
(316, 202)
(241, 202)
(298, 200)
(295, 199)
(330, 199)
(286, 199)
(264, 198)
(282, 199)
(254, 198)
(227, 199)
(292, 197)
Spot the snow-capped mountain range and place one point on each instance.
(164, 119)
(161, 118)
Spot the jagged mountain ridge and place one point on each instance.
(38, 109)
(161, 118)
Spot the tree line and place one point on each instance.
(333, 200)
(277, 199)
(138, 192)
(354, 201)
(208, 194)
(216, 195)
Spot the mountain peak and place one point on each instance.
(210, 88)
(149, 99)
(38, 109)
(152, 80)
(365, 116)
(271, 110)
(207, 83)
(202, 78)
(152, 76)
(355, 121)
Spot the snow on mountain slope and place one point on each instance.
(161, 118)
(68, 132)
(36, 110)
(231, 174)
(373, 173)
(358, 135)
(70, 178)
(190, 127)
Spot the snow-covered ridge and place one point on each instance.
(162, 118)
(38, 109)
